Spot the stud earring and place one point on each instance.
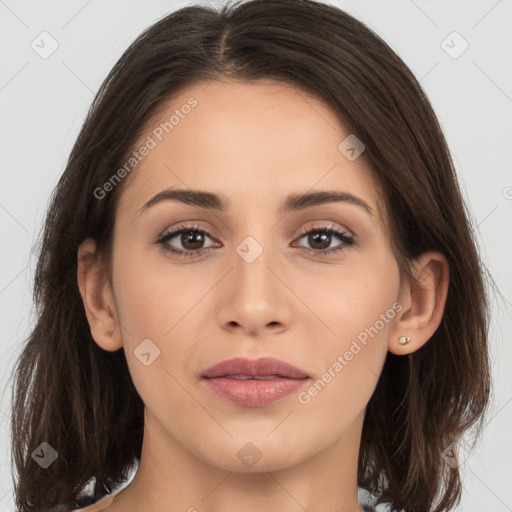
(403, 340)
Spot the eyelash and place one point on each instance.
(347, 240)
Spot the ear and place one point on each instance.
(423, 302)
(97, 297)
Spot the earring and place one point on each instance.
(403, 340)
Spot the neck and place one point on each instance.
(325, 481)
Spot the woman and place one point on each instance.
(262, 213)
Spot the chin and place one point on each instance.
(255, 457)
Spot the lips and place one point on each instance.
(254, 382)
(243, 369)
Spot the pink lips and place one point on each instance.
(254, 382)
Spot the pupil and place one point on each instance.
(193, 240)
(187, 239)
(319, 237)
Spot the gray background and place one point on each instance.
(43, 103)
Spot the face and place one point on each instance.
(315, 285)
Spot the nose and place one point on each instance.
(255, 297)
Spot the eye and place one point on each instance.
(192, 239)
(321, 237)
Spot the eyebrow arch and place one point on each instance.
(294, 202)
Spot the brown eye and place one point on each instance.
(320, 239)
(186, 241)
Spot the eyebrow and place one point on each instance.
(293, 202)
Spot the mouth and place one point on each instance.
(254, 382)
(265, 367)
(253, 377)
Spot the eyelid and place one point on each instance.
(318, 224)
(326, 224)
(345, 236)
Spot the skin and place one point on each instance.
(253, 143)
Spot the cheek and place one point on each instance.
(356, 310)
(353, 298)
(155, 297)
(161, 303)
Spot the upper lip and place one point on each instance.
(261, 367)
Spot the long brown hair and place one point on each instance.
(80, 399)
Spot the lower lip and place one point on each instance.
(254, 393)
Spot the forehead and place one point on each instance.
(252, 141)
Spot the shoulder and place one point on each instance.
(85, 504)
(99, 505)
(91, 504)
